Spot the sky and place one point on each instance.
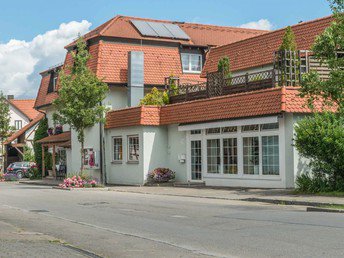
(33, 33)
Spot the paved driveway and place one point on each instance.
(115, 224)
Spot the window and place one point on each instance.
(117, 149)
(251, 155)
(133, 148)
(250, 128)
(191, 63)
(229, 129)
(270, 153)
(230, 156)
(213, 156)
(196, 131)
(18, 124)
(212, 130)
(53, 81)
(272, 126)
(196, 160)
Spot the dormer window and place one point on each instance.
(192, 63)
(53, 81)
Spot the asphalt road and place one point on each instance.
(114, 224)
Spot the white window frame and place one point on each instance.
(189, 57)
(128, 148)
(19, 122)
(239, 135)
(113, 149)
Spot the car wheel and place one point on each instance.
(19, 175)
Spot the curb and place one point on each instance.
(316, 209)
(37, 183)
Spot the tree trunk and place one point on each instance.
(82, 156)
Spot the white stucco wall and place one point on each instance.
(15, 114)
(253, 70)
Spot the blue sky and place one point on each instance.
(23, 19)
(33, 33)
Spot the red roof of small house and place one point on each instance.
(241, 105)
(200, 34)
(23, 130)
(26, 106)
(259, 50)
(64, 137)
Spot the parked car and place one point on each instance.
(20, 169)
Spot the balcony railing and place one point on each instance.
(217, 84)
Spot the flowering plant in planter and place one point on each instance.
(58, 129)
(161, 175)
(78, 182)
(2, 177)
(50, 131)
(10, 177)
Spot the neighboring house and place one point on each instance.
(24, 120)
(232, 132)
(132, 55)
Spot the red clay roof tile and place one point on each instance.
(26, 106)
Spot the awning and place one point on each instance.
(61, 140)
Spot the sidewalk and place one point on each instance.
(276, 196)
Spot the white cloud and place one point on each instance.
(262, 24)
(21, 61)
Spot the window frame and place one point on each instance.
(19, 122)
(114, 149)
(128, 148)
(190, 64)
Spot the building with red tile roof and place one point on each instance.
(259, 51)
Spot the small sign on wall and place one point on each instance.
(91, 158)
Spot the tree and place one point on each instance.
(81, 93)
(328, 48)
(155, 97)
(224, 66)
(5, 128)
(288, 41)
(41, 132)
(28, 154)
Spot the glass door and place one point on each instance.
(196, 160)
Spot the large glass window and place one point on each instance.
(270, 146)
(133, 148)
(230, 156)
(196, 160)
(251, 155)
(117, 149)
(192, 62)
(213, 156)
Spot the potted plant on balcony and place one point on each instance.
(50, 131)
(58, 129)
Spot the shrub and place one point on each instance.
(78, 182)
(2, 177)
(320, 139)
(161, 175)
(83, 174)
(40, 133)
(10, 177)
(35, 174)
(155, 97)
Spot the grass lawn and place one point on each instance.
(334, 206)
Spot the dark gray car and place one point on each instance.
(20, 169)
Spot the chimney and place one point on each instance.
(10, 97)
(135, 77)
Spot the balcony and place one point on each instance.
(289, 66)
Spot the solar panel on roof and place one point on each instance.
(176, 31)
(159, 29)
(144, 28)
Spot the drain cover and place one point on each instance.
(39, 211)
(93, 203)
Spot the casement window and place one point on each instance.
(270, 152)
(213, 130)
(229, 129)
(117, 149)
(53, 81)
(266, 127)
(196, 131)
(196, 160)
(18, 124)
(250, 128)
(230, 156)
(133, 148)
(213, 156)
(251, 155)
(192, 63)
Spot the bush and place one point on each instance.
(35, 174)
(40, 133)
(160, 175)
(2, 177)
(320, 139)
(155, 97)
(83, 174)
(10, 177)
(78, 182)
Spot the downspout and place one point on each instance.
(103, 177)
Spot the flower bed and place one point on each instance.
(161, 175)
(8, 177)
(78, 182)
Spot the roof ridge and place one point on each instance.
(273, 31)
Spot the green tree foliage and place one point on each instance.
(5, 128)
(41, 132)
(288, 41)
(28, 154)
(328, 48)
(81, 93)
(320, 138)
(155, 97)
(224, 65)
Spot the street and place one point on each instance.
(38, 221)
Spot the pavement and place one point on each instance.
(127, 224)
